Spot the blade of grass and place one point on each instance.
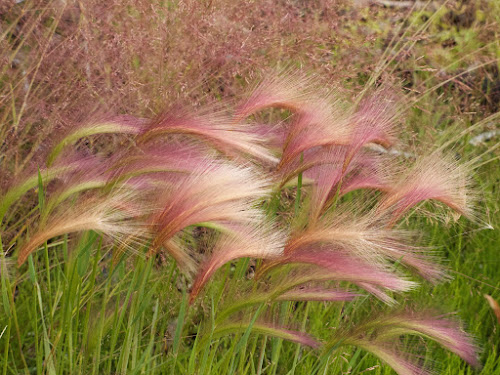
(178, 329)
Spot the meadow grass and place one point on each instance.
(83, 314)
(78, 306)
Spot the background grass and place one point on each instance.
(76, 312)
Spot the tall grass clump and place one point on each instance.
(283, 231)
(197, 201)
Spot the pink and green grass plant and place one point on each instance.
(222, 172)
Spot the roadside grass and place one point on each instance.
(85, 315)
(79, 312)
